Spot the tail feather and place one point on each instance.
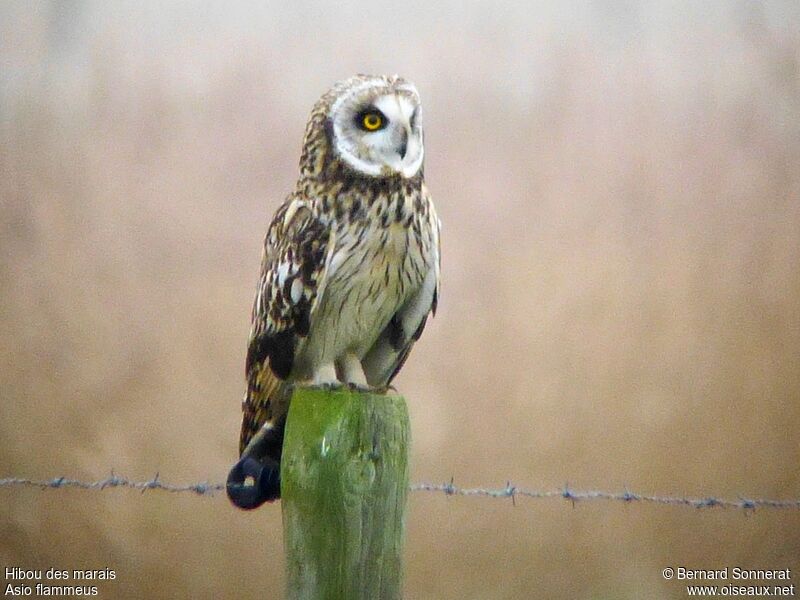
(255, 478)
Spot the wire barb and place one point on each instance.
(207, 488)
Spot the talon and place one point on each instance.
(265, 483)
(364, 389)
(328, 386)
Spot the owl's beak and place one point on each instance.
(402, 146)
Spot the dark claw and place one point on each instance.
(364, 389)
(330, 387)
(266, 486)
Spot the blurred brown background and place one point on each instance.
(619, 184)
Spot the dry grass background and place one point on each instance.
(620, 189)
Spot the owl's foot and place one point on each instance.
(383, 389)
(251, 482)
(328, 386)
(333, 386)
(355, 387)
(364, 389)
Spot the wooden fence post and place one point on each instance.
(344, 484)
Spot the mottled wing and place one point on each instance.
(387, 356)
(296, 253)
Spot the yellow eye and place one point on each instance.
(372, 121)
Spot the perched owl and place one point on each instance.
(350, 269)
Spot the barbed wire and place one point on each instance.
(200, 488)
(206, 488)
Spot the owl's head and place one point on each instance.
(374, 125)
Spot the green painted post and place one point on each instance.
(344, 484)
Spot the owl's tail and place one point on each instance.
(255, 478)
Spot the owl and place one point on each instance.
(350, 268)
